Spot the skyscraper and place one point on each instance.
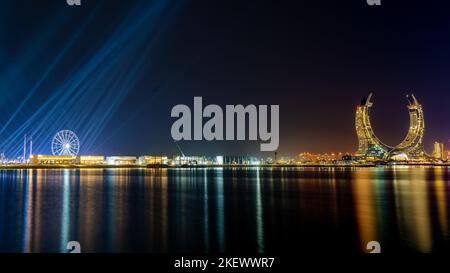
(438, 151)
(370, 147)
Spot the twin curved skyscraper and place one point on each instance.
(371, 148)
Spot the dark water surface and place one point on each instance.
(232, 210)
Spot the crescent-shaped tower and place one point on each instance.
(371, 148)
(411, 148)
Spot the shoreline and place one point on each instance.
(74, 166)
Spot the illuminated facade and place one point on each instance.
(153, 160)
(370, 146)
(53, 159)
(438, 151)
(91, 159)
(412, 146)
(41, 159)
(240, 160)
(190, 160)
(121, 160)
(307, 157)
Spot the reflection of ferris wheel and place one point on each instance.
(65, 142)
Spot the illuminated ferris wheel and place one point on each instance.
(65, 142)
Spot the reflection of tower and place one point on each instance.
(369, 146)
(365, 193)
(412, 190)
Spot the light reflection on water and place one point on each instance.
(214, 210)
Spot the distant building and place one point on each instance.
(190, 160)
(219, 160)
(438, 151)
(348, 157)
(53, 159)
(91, 159)
(41, 159)
(121, 160)
(153, 160)
(319, 158)
(240, 160)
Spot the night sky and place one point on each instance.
(111, 71)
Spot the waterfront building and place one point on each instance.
(219, 160)
(41, 159)
(307, 157)
(153, 160)
(438, 151)
(240, 160)
(91, 159)
(190, 160)
(371, 148)
(121, 160)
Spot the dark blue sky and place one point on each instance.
(112, 70)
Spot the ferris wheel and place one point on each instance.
(65, 142)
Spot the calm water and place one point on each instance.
(234, 210)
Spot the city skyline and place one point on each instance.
(114, 76)
(370, 147)
(224, 135)
(371, 150)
